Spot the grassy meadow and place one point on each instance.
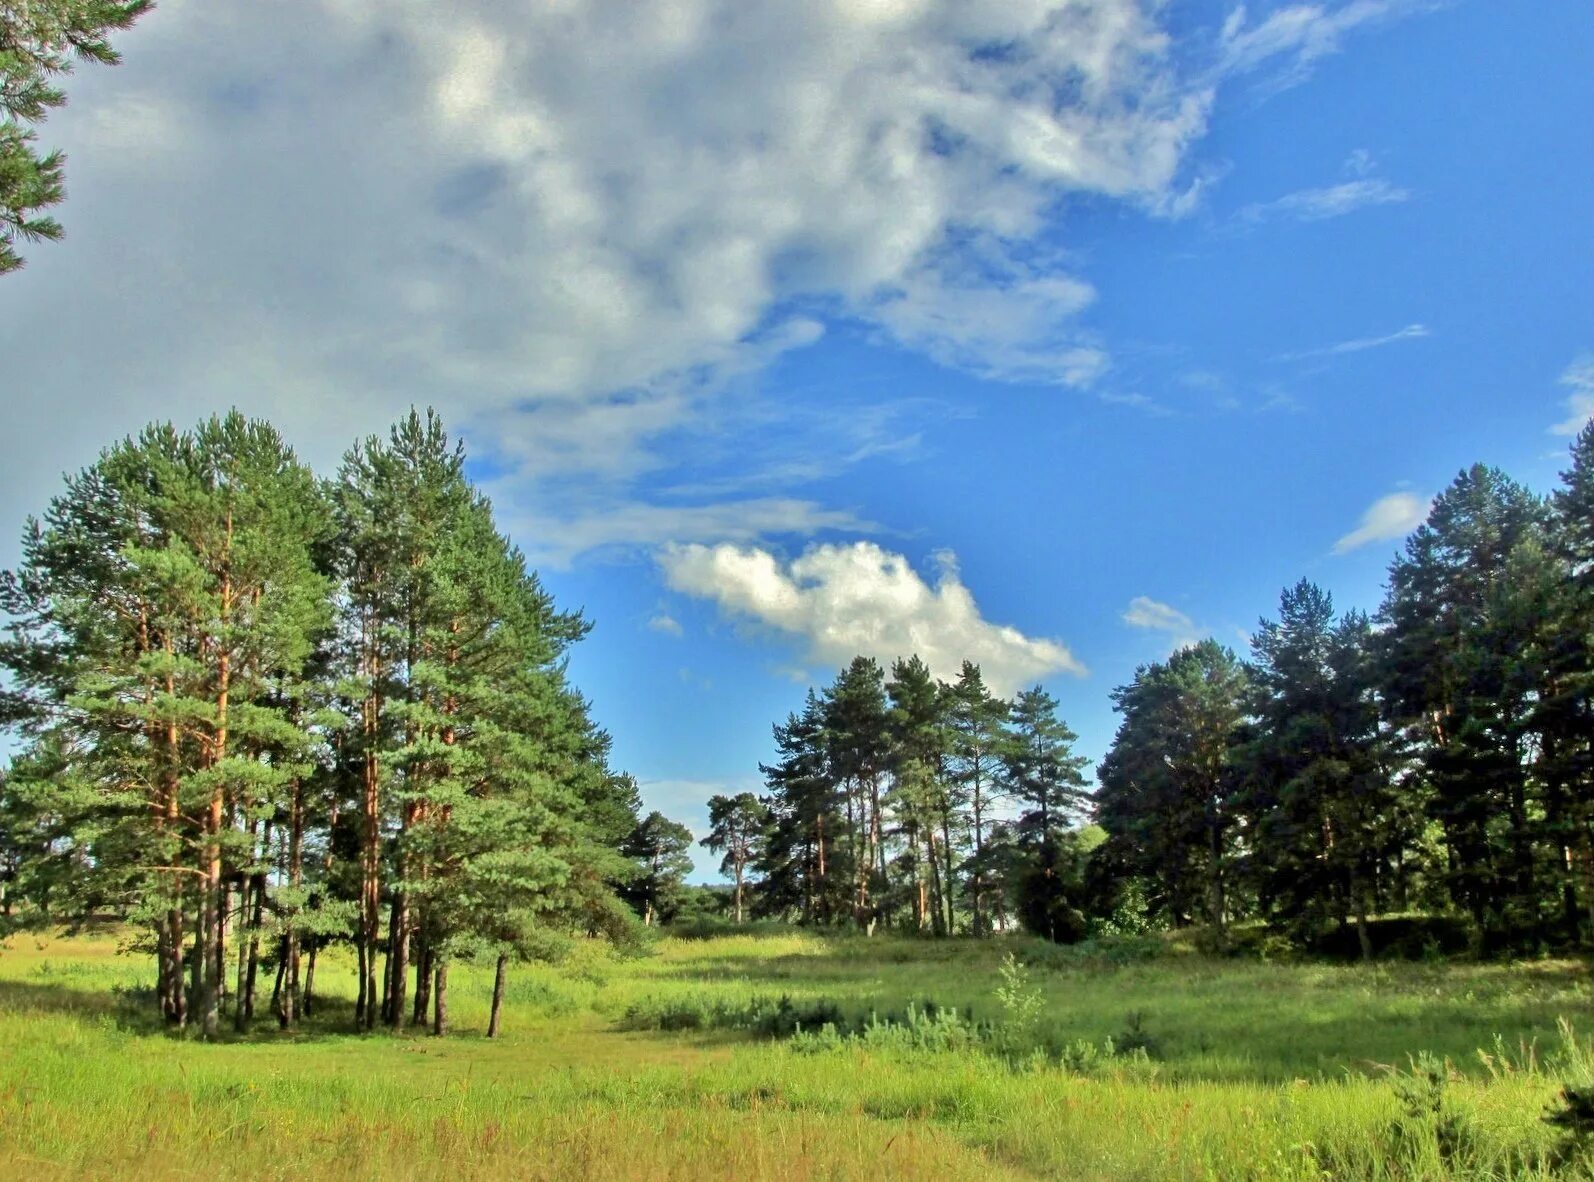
(1138, 1062)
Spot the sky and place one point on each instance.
(1050, 335)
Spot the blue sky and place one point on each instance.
(1050, 335)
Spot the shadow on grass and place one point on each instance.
(133, 1011)
(1210, 1019)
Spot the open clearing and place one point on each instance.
(1249, 1070)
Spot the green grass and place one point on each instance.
(1256, 1071)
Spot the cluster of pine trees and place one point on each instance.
(1436, 758)
(914, 803)
(263, 712)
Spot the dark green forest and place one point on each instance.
(1432, 761)
(263, 711)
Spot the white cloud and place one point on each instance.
(665, 623)
(1579, 379)
(1155, 616)
(1136, 401)
(570, 226)
(632, 525)
(566, 225)
(1300, 35)
(846, 600)
(1412, 332)
(1387, 519)
(1312, 205)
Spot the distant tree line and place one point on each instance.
(1434, 759)
(913, 803)
(262, 712)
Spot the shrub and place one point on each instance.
(1428, 1119)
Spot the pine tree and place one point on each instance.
(1041, 774)
(736, 828)
(168, 589)
(977, 718)
(659, 847)
(922, 794)
(1168, 782)
(857, 748)
(803, 866)
(1558, 587)
(1448, 651)
(40, 40)
(1324, 816)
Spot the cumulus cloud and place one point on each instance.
(570, 226)
(846, 600)
(665, 623)
(564, 225)
(1579, 380)
(1155, 616)
(1387, 519)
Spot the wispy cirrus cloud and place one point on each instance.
(620, 527)
(1387, 519)
(1578, 378)
(1412, 332)
(1292, 39)
(1314, 205)
(1151, 615)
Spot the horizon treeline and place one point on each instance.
(263, 712)
(1435, 758)
(890, 802)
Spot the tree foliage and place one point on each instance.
(40, 41)
(263, 713)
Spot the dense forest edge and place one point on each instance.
(1415, 783)
(264, 713)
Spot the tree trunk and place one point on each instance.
(498, 994)
(196, 958)
(208, 1001)
(257, 922)
(1219, 903)
(277, 1006)
(288, 970)
(937, 912)
(371, 845)
(360, 957)
(977, 886)
(215, 899)
(821, 895)
(240, 1016)
(440, 998)
(948, 883)
(423, 983)
(176, 1001)
(1363, 936)
(306, 999)
(387, 970)
(399, 984)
